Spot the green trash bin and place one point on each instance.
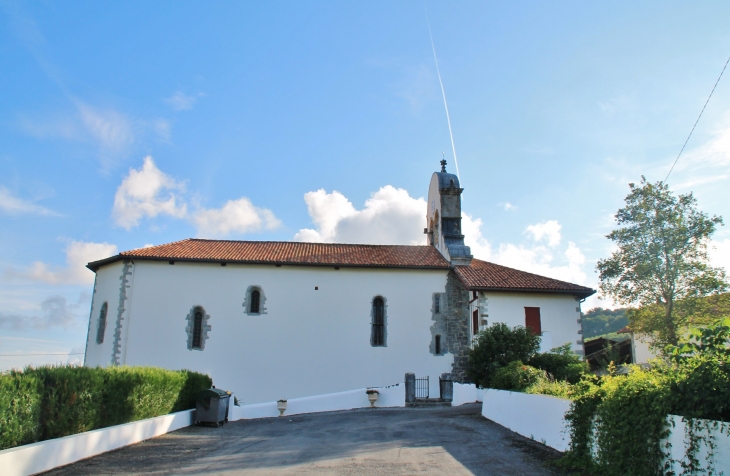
(211, 406)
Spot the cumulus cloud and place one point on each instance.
(541, 255)
(55, 311)
(390, 216)
(180, 101)
(236, 216)
(78, 254)
(550, 230)
(508, 206)
(147, 192)
(13, 205)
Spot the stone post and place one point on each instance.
(446, 385)
(410, 387)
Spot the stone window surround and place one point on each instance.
(204, 329)
(262, 301)
(385, 321)
(101, 323)
(439, 326)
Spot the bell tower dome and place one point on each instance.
(443, 217)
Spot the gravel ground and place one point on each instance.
(443, 440)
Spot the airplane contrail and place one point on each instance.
(443, 93)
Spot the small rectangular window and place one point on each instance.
(437, 345)
(437, 304)
(475, 321)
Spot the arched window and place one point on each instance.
(197, 329)
(377, 337)
(102, 324)
(255, 301)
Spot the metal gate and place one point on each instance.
(422, 387)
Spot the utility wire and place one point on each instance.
(698, 119)
(33, 355)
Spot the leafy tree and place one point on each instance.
(497, 346)
(599, 321)
(661, 257)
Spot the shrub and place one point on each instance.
(136, 393)
(497, 346)
(617, 422)
(20, 409)
(50, 402)
(555, 388)
(71, 397)
(517, 376)
(561, 363)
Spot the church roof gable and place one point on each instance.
(291, 253)
(484, 276)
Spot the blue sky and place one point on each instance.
(124, 125)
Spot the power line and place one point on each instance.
(33, 355)
(698, 119)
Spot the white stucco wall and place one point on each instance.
(642, 352)
(559, 315)
(106, 289)
(310, 342)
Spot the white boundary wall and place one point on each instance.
(466, 393)
(540, 417)
(392, 396)
(49, 454)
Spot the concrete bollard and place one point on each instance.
(410, 387)
(446, 385)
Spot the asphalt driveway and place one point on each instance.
(451, 441)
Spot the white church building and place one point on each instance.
(270, 320)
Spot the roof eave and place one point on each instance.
(574, 292)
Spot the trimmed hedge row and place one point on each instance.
(50, 402)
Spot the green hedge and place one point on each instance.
(20, 409)
(50, 402)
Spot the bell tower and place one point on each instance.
(443, 217)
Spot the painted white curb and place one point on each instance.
(49, 454)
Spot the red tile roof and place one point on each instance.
(480, 275)
(484, 276)
(292, 253)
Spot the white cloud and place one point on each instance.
(78, 254)
(17, 206)
(719, 251)
(390, 216)
(549, 230)
(508, 206)
(55, 311)
(236, 216)
(715, 152)
(533, 257)
(112, 130)
(180, 101)
(147, 192)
